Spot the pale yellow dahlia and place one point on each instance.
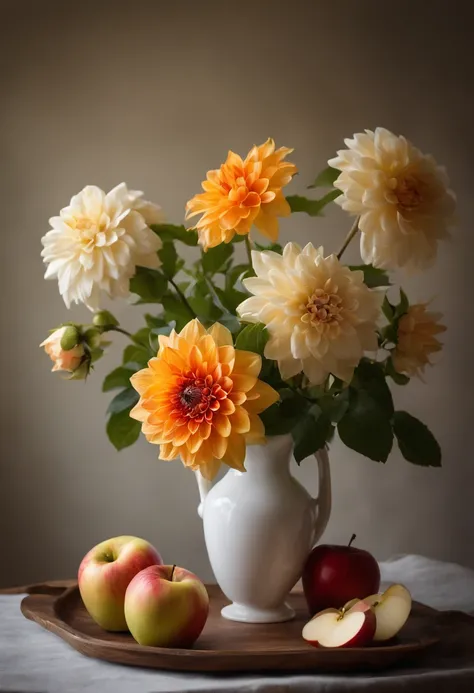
(242, 193)
(320, 315)
(401, 195)
(98, 241)
(417, 340)
(200, 399)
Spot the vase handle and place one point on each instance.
(323, 501)
(204, 487)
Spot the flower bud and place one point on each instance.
(104, 319)
(92, 337)
(70, 337)
(64, 359)
(82, 371)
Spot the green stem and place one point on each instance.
(116, 328)
(182, 296)
(349, 237)
(248, 248)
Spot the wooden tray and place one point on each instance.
(225, 645)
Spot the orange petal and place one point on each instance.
(180, 435)
(221, 335)
(227, 356)
(227, 407)
(139, 413)
(168, 452)
(260, 397)
(235, 453)
(194, 442)
(141, 380)
(247, 363)
(192, 331)
(222, 424)
(195, 357)
(240, 420)
(210, 468)
(243, 383)
(237, 397)
(256, 433)
(218, 445)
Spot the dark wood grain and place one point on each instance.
(226, 645)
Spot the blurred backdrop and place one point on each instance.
(154, 94)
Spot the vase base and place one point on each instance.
(250, 614)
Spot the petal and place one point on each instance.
(235, 453)
(222, 424)
(209, 469)
(266, 396)
(256, 433)
(240, 420)
(193, 331)
(221, 335)
(247, 363)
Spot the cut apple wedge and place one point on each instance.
(392, 609)
(340, 628)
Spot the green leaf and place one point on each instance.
(148, 284)
(370, 376)
(274, 247)
(215, 258)
(398, 378)
(326, 178)
(124, 400)
(253, 338)
(234, 276)
(169, 233)
(119, 377)
(388, 309)
(416, 442)
(136, 354)
(168, 257)
(365, 427)
(310, 433)
(282, 416)
(122, 430)
(203, 303)
(335, 406)
(155, 321)
(312, 207)
(176, 310)
(141, 337)
(403, 306)
(230, 298)
(373, 276)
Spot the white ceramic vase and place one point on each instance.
(259, 528)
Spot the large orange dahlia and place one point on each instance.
(200, 399)
(242, 193)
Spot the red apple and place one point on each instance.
(105, 573)
(333, 575)
(334, 628)
(166, 606)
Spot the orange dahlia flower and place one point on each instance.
(242, 193)
(200, 399)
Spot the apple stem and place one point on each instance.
(352, 539)
(172, 571)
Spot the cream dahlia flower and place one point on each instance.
(320, 315)
(401, 195)
(417, 340)
(97, 242)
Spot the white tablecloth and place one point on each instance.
(33, 660)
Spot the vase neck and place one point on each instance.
(271, 459)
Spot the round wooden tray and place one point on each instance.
(227, 645)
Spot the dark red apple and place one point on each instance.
(333, 575)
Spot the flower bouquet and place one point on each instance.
(251, 339)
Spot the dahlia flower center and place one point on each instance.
(89, 228)
(198, 398)
(322, 307)
(408, 192)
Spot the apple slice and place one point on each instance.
(392, 609)
(340, 628)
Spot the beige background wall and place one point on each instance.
(154, 93)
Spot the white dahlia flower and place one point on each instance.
(417, 340)
(401, 195)
(320, 315)
(97, 242)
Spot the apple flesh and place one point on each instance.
(392, 609)
(166, 606)
(105, 573)
(340, 628)
(334, 574)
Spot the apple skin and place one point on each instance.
(105, 573)
(333, 575)
(166, 606)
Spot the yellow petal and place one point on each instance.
(139, 413)
(192, 331)
(243, 383)
(235, 453)
(168, 452)
(256, 433)
(260, 397)
(210, 468)
(222, 424)
(221, 335)
(141, 380)
(240, 420)
(247, 363)
(194, 442)
(218, 445)
(227, 356)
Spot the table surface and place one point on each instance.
(33, 660)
